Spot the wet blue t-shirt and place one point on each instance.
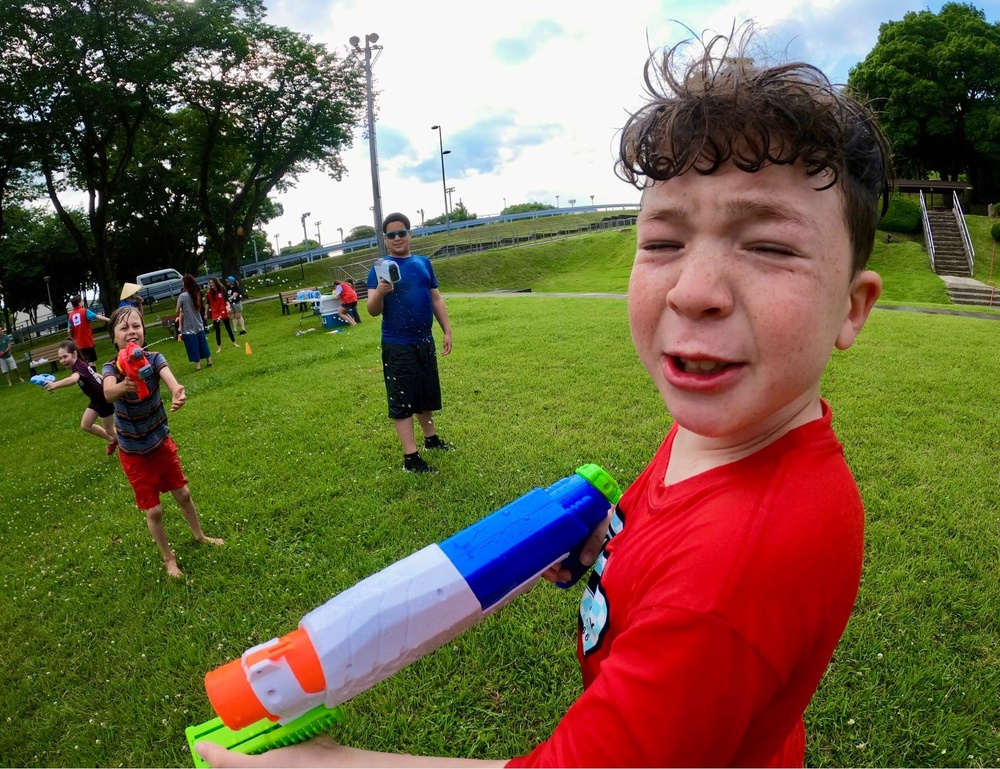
(407, 312)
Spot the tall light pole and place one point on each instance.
(277, 245)
(557, 201)
(305, 242)
(341, 231)
(370, 46)
(444, 184)
(591, 200)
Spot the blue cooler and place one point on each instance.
(333, 320)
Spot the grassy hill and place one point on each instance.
(601, 261)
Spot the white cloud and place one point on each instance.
(529, 94)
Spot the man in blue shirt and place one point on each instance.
(409, 359)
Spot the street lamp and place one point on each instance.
(591, 200)
(319, 240)
(277, 245)
(444, 184)
(572, 203)
(305, 242)
(370, 46)
(48, 288)
(557, 201)
(341, 231)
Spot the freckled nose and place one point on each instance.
(702, 288)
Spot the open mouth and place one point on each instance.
(704, 367)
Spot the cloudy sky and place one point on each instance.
(529, 94)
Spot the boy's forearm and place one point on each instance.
(114, 391)
(441, 313)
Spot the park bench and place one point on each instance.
(48, 352)
(288, 298)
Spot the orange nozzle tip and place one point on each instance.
(232, 697)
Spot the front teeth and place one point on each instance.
(701, 366)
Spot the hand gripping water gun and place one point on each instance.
(387, 269)
(395, 617)
(132, 363)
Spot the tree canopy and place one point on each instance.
(458, 214)
(934, 80)
(174, 119)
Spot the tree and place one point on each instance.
(87, 76)
(935, 79)
(38, 245)
(266, 104)
(362, 232)
(458, 214)
(524, 208)
(175, 119)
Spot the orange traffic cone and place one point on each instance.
(249, 351)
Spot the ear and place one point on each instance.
(865, 291)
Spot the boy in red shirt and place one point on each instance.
(80, 329)
(730, 566)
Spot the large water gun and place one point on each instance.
(132, 363)
(395, 617)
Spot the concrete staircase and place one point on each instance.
(949, 250)
(969, 291)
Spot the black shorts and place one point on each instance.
(411, 378)
(89, 354)
(103, 408)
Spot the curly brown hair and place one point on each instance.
(722, 108)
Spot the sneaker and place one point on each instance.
(112, 447)
(243, 332)
(435, 442)
(417, 465)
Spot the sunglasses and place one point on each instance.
(393, 234)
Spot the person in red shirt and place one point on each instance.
(80, 329)
(348, 310)
(730, 567)
(218, 309)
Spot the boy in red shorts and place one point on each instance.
(148, 453)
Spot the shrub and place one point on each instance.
(995, 232)
(903, 216)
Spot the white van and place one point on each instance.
(160, 284)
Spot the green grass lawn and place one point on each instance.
(291, 458)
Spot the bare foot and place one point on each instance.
(210, 540)
(218, 350)
(173, 569)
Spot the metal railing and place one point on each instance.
(468, 242)
(970, 251)
(335, 249)
(928, 235)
